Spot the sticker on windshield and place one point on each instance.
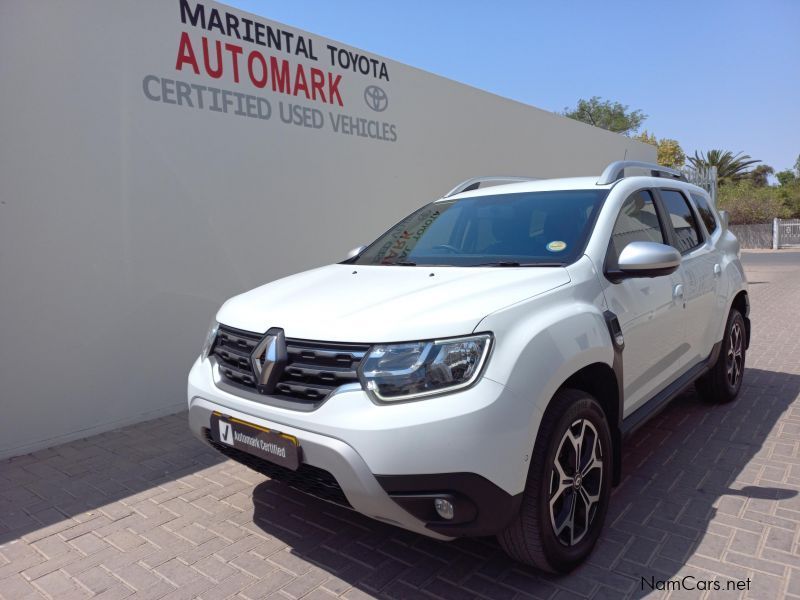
(556, 246)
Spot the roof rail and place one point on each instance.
(616, 171)
(476, 182)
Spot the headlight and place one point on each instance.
(394, 372)
(208, 344)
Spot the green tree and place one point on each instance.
(797, 165)
(669, 152)
(786, 177)
(647, 138)
(748, 203)
(606, 114)
(760, 175)
(730, 167)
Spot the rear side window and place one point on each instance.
(637, 222)
(684, 223)
(706, 214)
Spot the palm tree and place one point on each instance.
(730, 166)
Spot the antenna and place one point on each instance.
(625, 156)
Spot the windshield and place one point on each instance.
(523, 229)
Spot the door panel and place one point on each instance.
(649, 312)
(697, 271)
(652, 324)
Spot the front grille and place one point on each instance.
(307, 479)
(312, 372)
(233, 348)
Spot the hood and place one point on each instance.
(356, 303)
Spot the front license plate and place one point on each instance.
(276, 447)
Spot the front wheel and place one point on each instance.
(724, 380)
(569, 480)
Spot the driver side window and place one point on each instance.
(637, 222)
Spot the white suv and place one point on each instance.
(475, 369)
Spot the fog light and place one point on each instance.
(444, 508)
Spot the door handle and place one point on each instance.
(677, 292)
(717, 270)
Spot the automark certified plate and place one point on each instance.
(276, 447)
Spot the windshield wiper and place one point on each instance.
(499, 263)
(404, 264)
(513, 263)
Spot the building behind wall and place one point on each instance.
(143, 184)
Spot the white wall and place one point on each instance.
(125, 222)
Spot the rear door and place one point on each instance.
(699, 272)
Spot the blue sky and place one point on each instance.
(711, 74)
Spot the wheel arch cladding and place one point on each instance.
(741, 302)
(600, 381)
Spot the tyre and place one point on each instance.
(724, 380)
(569, 481)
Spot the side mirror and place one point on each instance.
(648, 259)
(355, 252)
(724, 216)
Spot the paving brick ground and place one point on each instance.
(147, 511)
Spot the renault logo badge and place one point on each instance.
(269, 359)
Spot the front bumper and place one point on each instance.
(391, 461)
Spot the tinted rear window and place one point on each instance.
(706, 213)
(684, 223)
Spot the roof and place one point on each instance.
(567, 183)
(534, 185)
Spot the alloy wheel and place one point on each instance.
(575, 482)
(735, 357)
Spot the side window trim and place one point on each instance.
(667, 220)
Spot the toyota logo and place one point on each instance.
(376, 98)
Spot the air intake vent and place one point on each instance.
(308, 479)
